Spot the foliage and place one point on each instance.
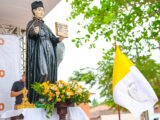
(61, 92)
(94, 103)
(134, 24)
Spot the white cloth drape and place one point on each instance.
(74, 113)
(10, 63)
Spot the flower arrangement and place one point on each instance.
(61, 92)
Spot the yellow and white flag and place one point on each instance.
(130, 88)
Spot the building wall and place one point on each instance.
(115, 117)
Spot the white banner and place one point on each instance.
(10, 63)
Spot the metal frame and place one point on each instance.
(14, 30)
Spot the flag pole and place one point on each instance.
(119, 113)
(115, 45)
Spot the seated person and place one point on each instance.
(17, 90)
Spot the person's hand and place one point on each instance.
(36, 30)
(61, 38)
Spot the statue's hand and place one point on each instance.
(61, 38)
(36, 30)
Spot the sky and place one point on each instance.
(76, 58)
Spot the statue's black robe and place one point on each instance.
(41, 57)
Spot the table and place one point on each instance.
(74, 113)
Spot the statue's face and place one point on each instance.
(39, 12)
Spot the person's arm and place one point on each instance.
(14, 90)
(15, 94)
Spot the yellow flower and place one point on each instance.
(57, 82)
(77, 86)
(63, 91)
(79, 91)
(69, 97)
(58, 99)
(53, 95)
(66, 84)
(57, 93)
(61, 82)
(62, 96)
(50, 98)
(76, 82)
(60, 92)
(54, 87)
(44, 84)
(69, 87)
(47, 82)
(57, 90)
(50, 93)
(69, 93)
(45, 91)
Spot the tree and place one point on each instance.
(95, 103)
(134, 24)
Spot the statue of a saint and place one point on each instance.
(41, 52)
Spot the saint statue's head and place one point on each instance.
(37, 9)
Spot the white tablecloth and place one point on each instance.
(74, 113)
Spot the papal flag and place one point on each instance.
(130, 88)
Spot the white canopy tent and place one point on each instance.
(18, 12)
